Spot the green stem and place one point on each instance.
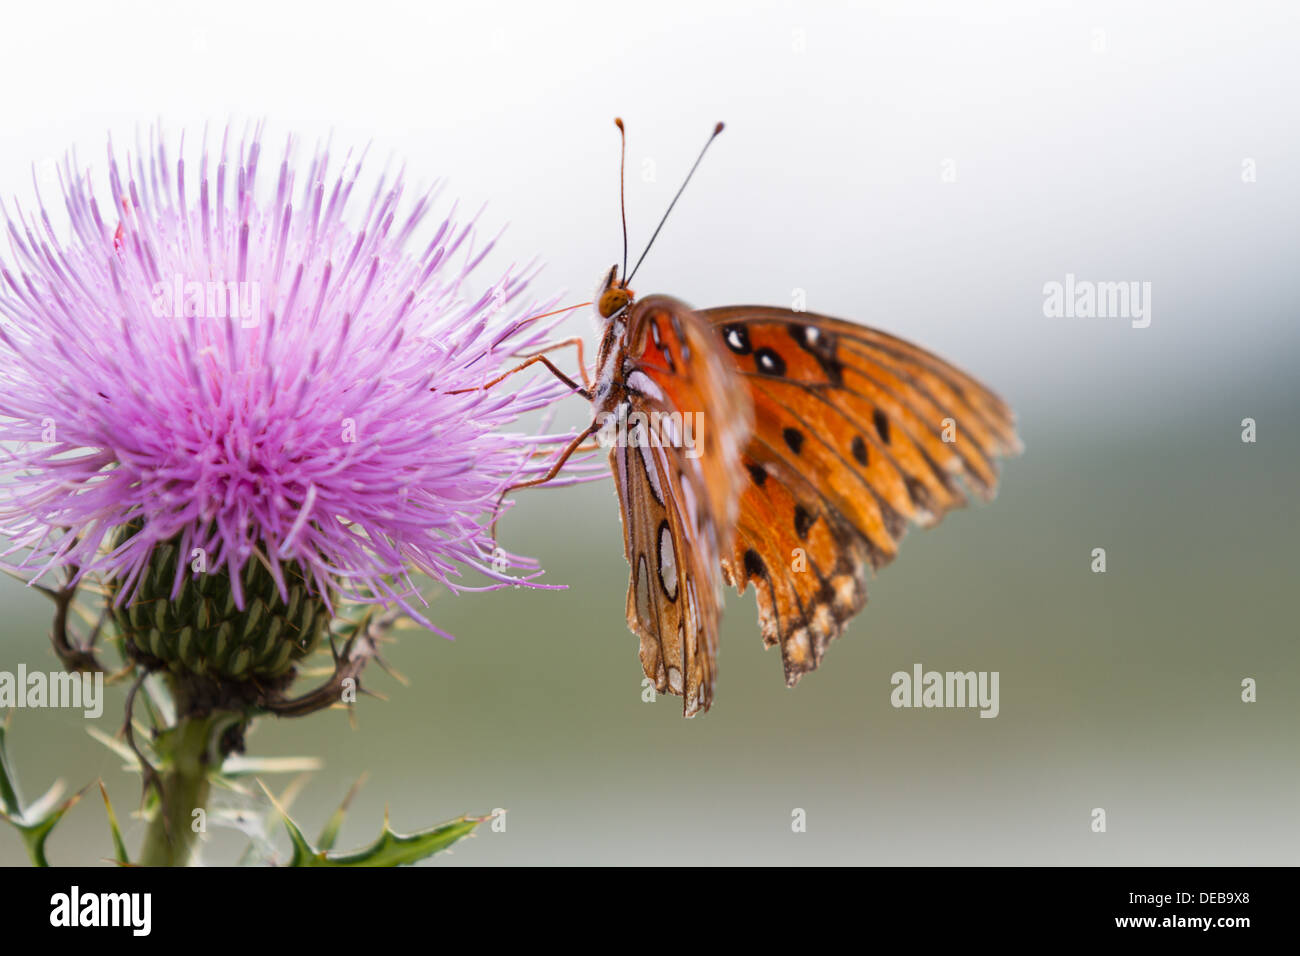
(172, 834)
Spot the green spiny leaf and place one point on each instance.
(390, 849)
(395, 849)
(330, 834)
(118, 747)
(119, 847)
(35, 823)
(10, 804)
(259, 832)
(237, 765)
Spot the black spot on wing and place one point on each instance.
(680, 335)
(668, 358)
(919, 494)
(769, 362)
(794, 439)
(754, 566)
(803, 521)
(736, 338)
(757, 473)
(882, 425)
(820, 344)
(859, 449)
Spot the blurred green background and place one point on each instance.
(1118, 690)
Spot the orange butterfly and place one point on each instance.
(767, 446)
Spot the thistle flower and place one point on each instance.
(231, 399)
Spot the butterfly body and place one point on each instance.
(677, 417)
(799, 450)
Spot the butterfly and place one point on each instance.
(769, 447)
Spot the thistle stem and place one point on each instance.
(170, 840)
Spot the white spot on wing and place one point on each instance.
(689, 503)
(640, 382)
(823, 620)
(620, 464)
(670, 433)
(651, 472)
(643, 592)
(798, 648)
(667, 563)
(845, 589)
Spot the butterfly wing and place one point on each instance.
(679, 479)
(855, 435)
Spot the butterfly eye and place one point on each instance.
(612, 301)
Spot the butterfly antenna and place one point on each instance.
(622, 178)
(716, 130)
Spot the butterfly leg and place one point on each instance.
(576, 342)
(554, 470)
(585, 393)
(542, 452)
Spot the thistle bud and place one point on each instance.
(220, 655)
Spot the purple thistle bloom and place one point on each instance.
(260, 378)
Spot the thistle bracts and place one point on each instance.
(221, 655)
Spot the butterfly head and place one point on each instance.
(612, 295)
